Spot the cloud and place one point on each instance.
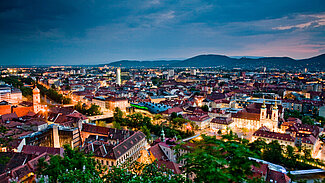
(68, 31)
(310, 21)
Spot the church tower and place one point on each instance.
(275, 112)
(36, 100)
(263, 110)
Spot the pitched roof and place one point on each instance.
(273, 135)
(22, 111)
(37, 150)
(158, 153)
(5, 109)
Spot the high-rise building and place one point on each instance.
(118, 76)
(193, 72)
(171, 73)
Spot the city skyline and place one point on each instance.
(98, 32)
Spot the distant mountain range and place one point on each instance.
(315, 63)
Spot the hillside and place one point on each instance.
(315, 63)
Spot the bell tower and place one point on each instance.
(263, 110)
(36, 100)
(275, 112)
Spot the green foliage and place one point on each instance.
(214, 160)
(179, 122)
(91, 111)
(54, 95)
(118, 115)
(146, 173)
(138, 121)
(4, 160)
(173, 115)
(18, 82)
(205, 108)
(75, 166)
(307, 120)
(101, 123)
(286, 156)
(3, 129)
(273, 152)
(146, 131)
(295, 114)
(116, 125)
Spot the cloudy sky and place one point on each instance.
(102, 31)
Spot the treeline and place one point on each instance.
(208, 160)
(143, 123)
(54, 95)
(18, 82)
(90, 111)
(305, 119)
(290, 157)
(76, 166)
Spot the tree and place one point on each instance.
(307, 120)
(116, 125)
(273, 152)
(75, 166)
(94, 110)
(139, 172)
(101, 123)
(214, 160)
(205, 108)
(146, 131)
(173, 115)
(118, 115)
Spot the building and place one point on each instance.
(113, 102)
(153, 108)
(201, 120)
(118, 76)
(10, 95)
(112, 147)
(256, 115)
(110, 103)
(37, 100)
(54, 136)
(294, 134)
(221, 123)
(20, 167)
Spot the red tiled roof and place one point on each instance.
(158, 153)
(22, 111)
(277, 176)
(174, 167)
(37, 150)
(5, 109)
(174, 109)
(273, 135)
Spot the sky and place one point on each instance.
(64, 32)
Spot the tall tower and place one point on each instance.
(263, 110)
(118, 76)
(36, 100)
(162, 135)
(275, 112)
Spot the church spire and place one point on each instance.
(263, 106)
(275, 104)
(163, 135)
